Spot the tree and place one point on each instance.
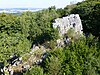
(12, 40)
(35, 70)
(89, 13)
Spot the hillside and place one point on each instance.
(71, 44)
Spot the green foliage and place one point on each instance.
(18, 33)
(35, 70)
(8, 24)
(13, 44)
(38, 25)
(61, 12)
(71, 33)
(92, 0)
(89, 12)
(50, 44)
(11, 38)
(52, 64)
(80, 58)
(69, 8)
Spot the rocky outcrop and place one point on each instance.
(18, 65)
(68, 22)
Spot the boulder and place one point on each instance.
(68, 22)
(60, 43)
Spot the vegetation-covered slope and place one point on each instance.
(89, 12)
(81, 57)
(19, 32)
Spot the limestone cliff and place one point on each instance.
(71, 21)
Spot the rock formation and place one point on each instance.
(68, 22)
(17, 65)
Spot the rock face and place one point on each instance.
(68, 22)
(17, 65)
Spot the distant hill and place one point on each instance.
(18, 10)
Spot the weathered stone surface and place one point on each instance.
(60, 43)
(65, 23)
(35, 48)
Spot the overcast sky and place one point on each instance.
(34, 3)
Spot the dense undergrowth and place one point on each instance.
(80, 58)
